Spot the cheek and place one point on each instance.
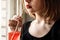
(37, 5)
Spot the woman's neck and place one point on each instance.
(38, 18)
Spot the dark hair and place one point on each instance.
(53, 7)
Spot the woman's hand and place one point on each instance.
(16, 20)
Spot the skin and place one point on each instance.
(18, 23)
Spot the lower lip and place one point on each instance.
(27, 6)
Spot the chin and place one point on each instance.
(32, 15)
(29, 9)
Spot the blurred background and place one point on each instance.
(9, 8)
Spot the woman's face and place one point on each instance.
(33, 5)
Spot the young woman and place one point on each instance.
(46, 25)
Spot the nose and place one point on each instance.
(28, 1)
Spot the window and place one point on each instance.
(3, 21)
(8, 8)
